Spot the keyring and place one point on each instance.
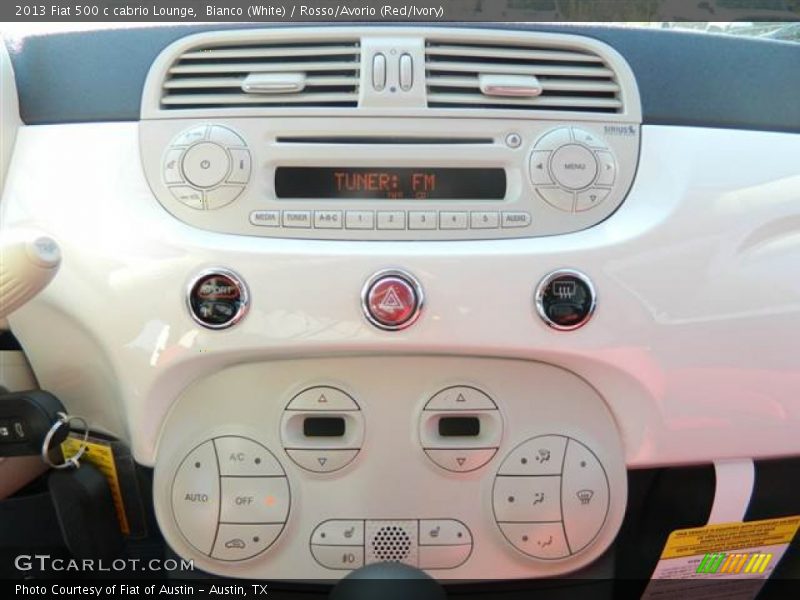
(72, 461)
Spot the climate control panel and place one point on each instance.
(463, 467)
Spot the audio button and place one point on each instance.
(516, 219)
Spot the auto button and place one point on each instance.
(195, 497)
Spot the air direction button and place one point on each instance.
(392, 300)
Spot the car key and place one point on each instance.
(25, 420)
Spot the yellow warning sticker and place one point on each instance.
(101, 455)
(724, 537)
(723, 560)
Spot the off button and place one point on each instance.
(392, 300)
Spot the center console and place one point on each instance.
(464, 467)
(467, 468)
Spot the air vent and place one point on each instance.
(264, 75)
(522, 77)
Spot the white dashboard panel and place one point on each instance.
(545, 507)
(690, 345)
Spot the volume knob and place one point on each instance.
(207, 166)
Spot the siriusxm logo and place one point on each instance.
(625, 130)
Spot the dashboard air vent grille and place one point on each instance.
(524, 77)
(308, 74)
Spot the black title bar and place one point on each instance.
(219, 11)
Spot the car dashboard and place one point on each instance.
(442, 296)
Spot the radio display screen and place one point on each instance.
(390, 183)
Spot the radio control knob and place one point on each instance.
(569, 162)
(206, 167)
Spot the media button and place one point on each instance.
(266, 218)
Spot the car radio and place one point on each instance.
(387, 134)
(506, 179)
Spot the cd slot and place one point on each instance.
(372, 140)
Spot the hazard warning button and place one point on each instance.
(392, 300)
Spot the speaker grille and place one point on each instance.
(391, 543)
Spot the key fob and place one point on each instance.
(25, 419)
